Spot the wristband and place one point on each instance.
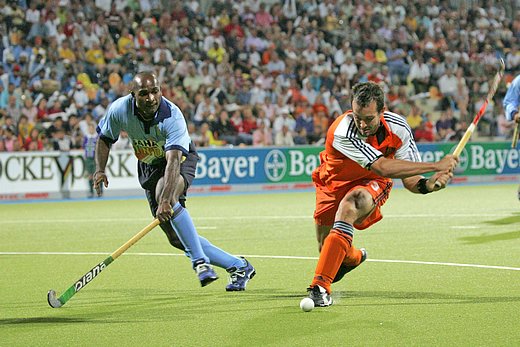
(421, 186)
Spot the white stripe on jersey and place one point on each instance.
(399, 126)
(351, 143)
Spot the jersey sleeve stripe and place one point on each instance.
(400, 122)
(107, 139)
(415, 151)
(347, 143)
(176, 147)
(371, 156)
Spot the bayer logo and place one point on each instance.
(463, 161)
(275, 165)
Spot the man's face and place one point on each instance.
(147, 93)
(367, 119)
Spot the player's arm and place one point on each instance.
(406, 164)
(177, 145)
(397, 168)
(512, 101)
(108, 130)
(101, 158)
(421, 185)
(168, 197)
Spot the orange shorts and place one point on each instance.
(327, 201)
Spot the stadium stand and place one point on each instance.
(232, 65)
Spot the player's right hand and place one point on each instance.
(448, 163)
(99, 178)
(164, 211)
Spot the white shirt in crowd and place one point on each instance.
(32, 16)
(448, 84)
(348, 69)
(419, 71)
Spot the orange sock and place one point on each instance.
(335, 249)
(353, 257)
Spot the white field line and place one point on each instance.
(119, 220)
(479, 266)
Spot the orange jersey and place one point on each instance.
(348, 154)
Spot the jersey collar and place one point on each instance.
(382, 131)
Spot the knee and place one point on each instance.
(361, 199)
(354, 205)
(172, 236)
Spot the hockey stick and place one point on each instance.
(464, 140)
(515, 136)
(96, 270)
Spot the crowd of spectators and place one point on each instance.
(251, 72)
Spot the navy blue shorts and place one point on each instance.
(149, 175)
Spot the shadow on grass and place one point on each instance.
(270, 294)
(486, 238)
(436, 298)
(42, 320)
(515, 218)
(491, 237)
(67, 320)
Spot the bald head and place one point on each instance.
(147, 94)
(144, 79)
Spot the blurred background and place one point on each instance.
(246, 73)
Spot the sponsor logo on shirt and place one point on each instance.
(148, 151)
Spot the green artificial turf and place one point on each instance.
(150, 296)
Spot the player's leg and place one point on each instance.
(356, 256)
(327, 203)
(347, 265)
(239, 269)
(322, 231)
(214, 254)
(90, 168)
(337, 247)
(148, 178)
(185, 230)
(380, 190)
(360, 207)
(186, 237)
(166, 226)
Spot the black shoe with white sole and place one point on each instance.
(319, 295)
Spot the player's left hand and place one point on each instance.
(99, 178)
(516, 117)
(441, 178)
(164, 211)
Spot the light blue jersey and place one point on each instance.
(512, 98)
(150, 140)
